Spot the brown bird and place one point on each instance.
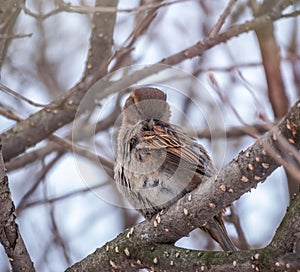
(157, 163)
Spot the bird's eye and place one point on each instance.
(133, 142)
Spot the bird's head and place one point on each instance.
(146, 103)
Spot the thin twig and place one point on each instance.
(15, 36)
(58, 238)
(232, 132)
(290, 152)
(15, 94)
(217, 27)
(80, 150)
(291, 14)
(23, 202)
(235, 220)
(67, 195)
(9, 114)
(63, 7)
(248, 129)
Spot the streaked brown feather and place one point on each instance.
(180, 149)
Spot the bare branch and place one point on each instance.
(21, 97)
(84, 152)
(9, 11)
(23, 202)
(271, 62)
(234, 31)
(234, 132)
(216, 29)
(235, 220)
(67, 195)
(101, 40)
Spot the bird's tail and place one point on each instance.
(217, 231)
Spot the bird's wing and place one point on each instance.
(182, 150)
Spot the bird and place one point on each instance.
(157, 163)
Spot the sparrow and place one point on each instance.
(157, 163)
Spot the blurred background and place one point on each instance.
(67, 204)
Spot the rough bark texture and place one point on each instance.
(101, 41)
(10, 236)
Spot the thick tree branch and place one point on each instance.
(62, 111)
(10, 236)
(101, 40)
(271, 59)
(125, 252)
(271, 62)
(250, 167)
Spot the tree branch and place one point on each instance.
(271, 62)
(101, 40)
(10, 236)
(125, 252)
(9, 11)
(136, 247)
